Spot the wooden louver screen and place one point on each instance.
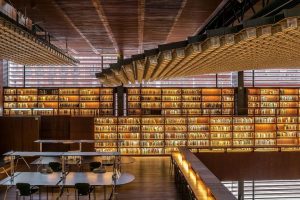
(263, 43)
(22, 47)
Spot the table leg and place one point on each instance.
(12, 167)
(104, 189)
(41, 147)
(25, 162)
(5, 194)
(40, 188)
(63, 166)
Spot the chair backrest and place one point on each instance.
(83, 188)
(94, 165)
(55, 166)
(24, 189)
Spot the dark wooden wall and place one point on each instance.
(67, 128)
(55, 128)
(1, 87)
(19, 133)
(254, 165)
(82, 128)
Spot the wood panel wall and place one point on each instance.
(19, 133)
(82, 128)
(1, 85)
(55, 128)
(67, 128)
(254, 165)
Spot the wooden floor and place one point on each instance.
(152, 181)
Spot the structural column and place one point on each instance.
(120, 100)
(240, 190)
(241, 96)
(1, 85)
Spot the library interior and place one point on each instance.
(150, 99)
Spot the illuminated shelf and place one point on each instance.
(273, 101)
(151, 135)
(106, 129)
(59, 101)
(180, 101)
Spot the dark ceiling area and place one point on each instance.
(125, 27)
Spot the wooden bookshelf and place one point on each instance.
(243, 133)
(175, 133)
(198, 132)
(153, 135)
(58, 101)
(221, 131)
(273, 101)
(180, 101)
(129, 131)
(106, 130)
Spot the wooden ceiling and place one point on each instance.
(125, 27)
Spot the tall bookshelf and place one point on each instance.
(180, 101)
(243, 132)
(175, 133)
(106, 130)
(198, 132)
(47, 102)
(156, 135)
(171, 101)
(152, 135)
(58, 101)
(191, 101)
(221, 131)
(129, 131)
(273, 101)
(265, 132)
(151, 101)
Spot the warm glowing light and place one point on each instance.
(192, 178)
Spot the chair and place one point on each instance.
(94, 165)
(55, 166)
(83, 189)
(25, 190)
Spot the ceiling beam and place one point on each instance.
(99, 8)
(216, 11)
(183, 3)
(67, 18)
(141, 19)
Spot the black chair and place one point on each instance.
(25, 190)
(55, 166)
(95, 165)
(83, 189)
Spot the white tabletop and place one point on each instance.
(95, 179)
(33, 153)
(46, 160)
(78, 153)
(58, 154)
(75, 141)
(124, 160)
(33, 178)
